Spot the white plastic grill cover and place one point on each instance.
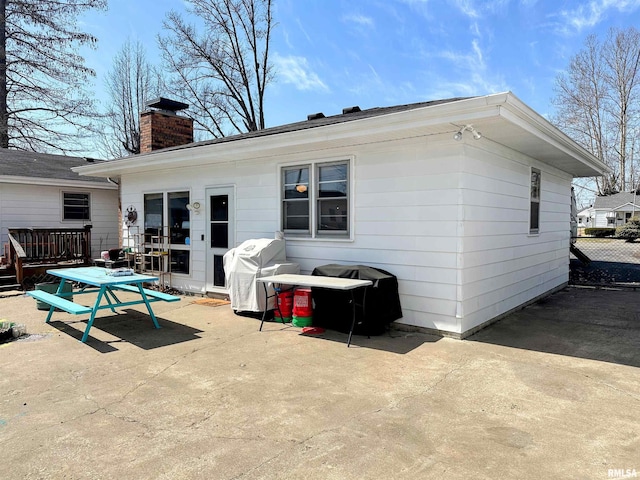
(250, 260)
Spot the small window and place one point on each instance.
(534, 212)
(295, 199)
(315, 199)
(76, 206)
(332, 198)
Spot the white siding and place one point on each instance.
(601, 220)
(503, 265)
(37, 206)
(449, 220)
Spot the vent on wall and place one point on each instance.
(315, 116)
(353, 109)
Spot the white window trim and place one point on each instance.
(535, 231)
(165, 220)
(313, 199)
(75, 220)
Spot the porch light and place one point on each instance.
(194, 207)
(476, 134)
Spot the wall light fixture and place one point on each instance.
(476, 134)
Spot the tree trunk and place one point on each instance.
(4, 116)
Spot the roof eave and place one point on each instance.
(57, 182)
(466, 111)
(517, 112)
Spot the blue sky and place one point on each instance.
(330, 54)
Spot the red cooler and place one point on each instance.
(302, 303)
(285, 306)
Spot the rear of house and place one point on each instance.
(473, 226)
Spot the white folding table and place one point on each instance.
(334, 283)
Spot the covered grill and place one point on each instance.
(250, 260)
(374, 311)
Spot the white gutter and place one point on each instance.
(505, 105)
(56, 182)
(520, 114)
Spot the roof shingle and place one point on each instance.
(17, 163)
(615, 200)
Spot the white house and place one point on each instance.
(467, 201)
(615, 210)
(586, 218)
(40, 190)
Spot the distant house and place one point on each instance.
(466, 200)
(585, 219)
(615, 210)
(41, 191)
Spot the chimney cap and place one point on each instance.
(167, 104)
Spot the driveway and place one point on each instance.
(552, 391)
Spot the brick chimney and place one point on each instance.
(161, 127)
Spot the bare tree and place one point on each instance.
(42, 76)
(130, 82)
(223, 70)
(597, 104)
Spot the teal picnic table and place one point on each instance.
(106, 285)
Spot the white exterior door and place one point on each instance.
(220, 213)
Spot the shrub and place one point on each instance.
(600, 232)
(630, 230)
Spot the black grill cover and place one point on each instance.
(332, 308)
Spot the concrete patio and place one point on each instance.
(552, 391)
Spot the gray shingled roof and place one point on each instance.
(316, 122)
(616, 200)
(17, 163)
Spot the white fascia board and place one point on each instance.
(454, 114)
(53, 182)
(624, 205)
(518, 113)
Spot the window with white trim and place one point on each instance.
(534, 211)
(315, 199)
(75, 206)
(170, 226)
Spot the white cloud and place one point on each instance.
(471, 67)
(296, 71)
(369, 87)
(591, 13)
(361, 20)
(467, 7)
(477, 9)
(304, 32)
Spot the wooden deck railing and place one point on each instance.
(48, 246)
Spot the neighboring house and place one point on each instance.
(585, 219)
(466, 201)
(41, 191)
(615, 210)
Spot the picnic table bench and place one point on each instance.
(107, 287)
